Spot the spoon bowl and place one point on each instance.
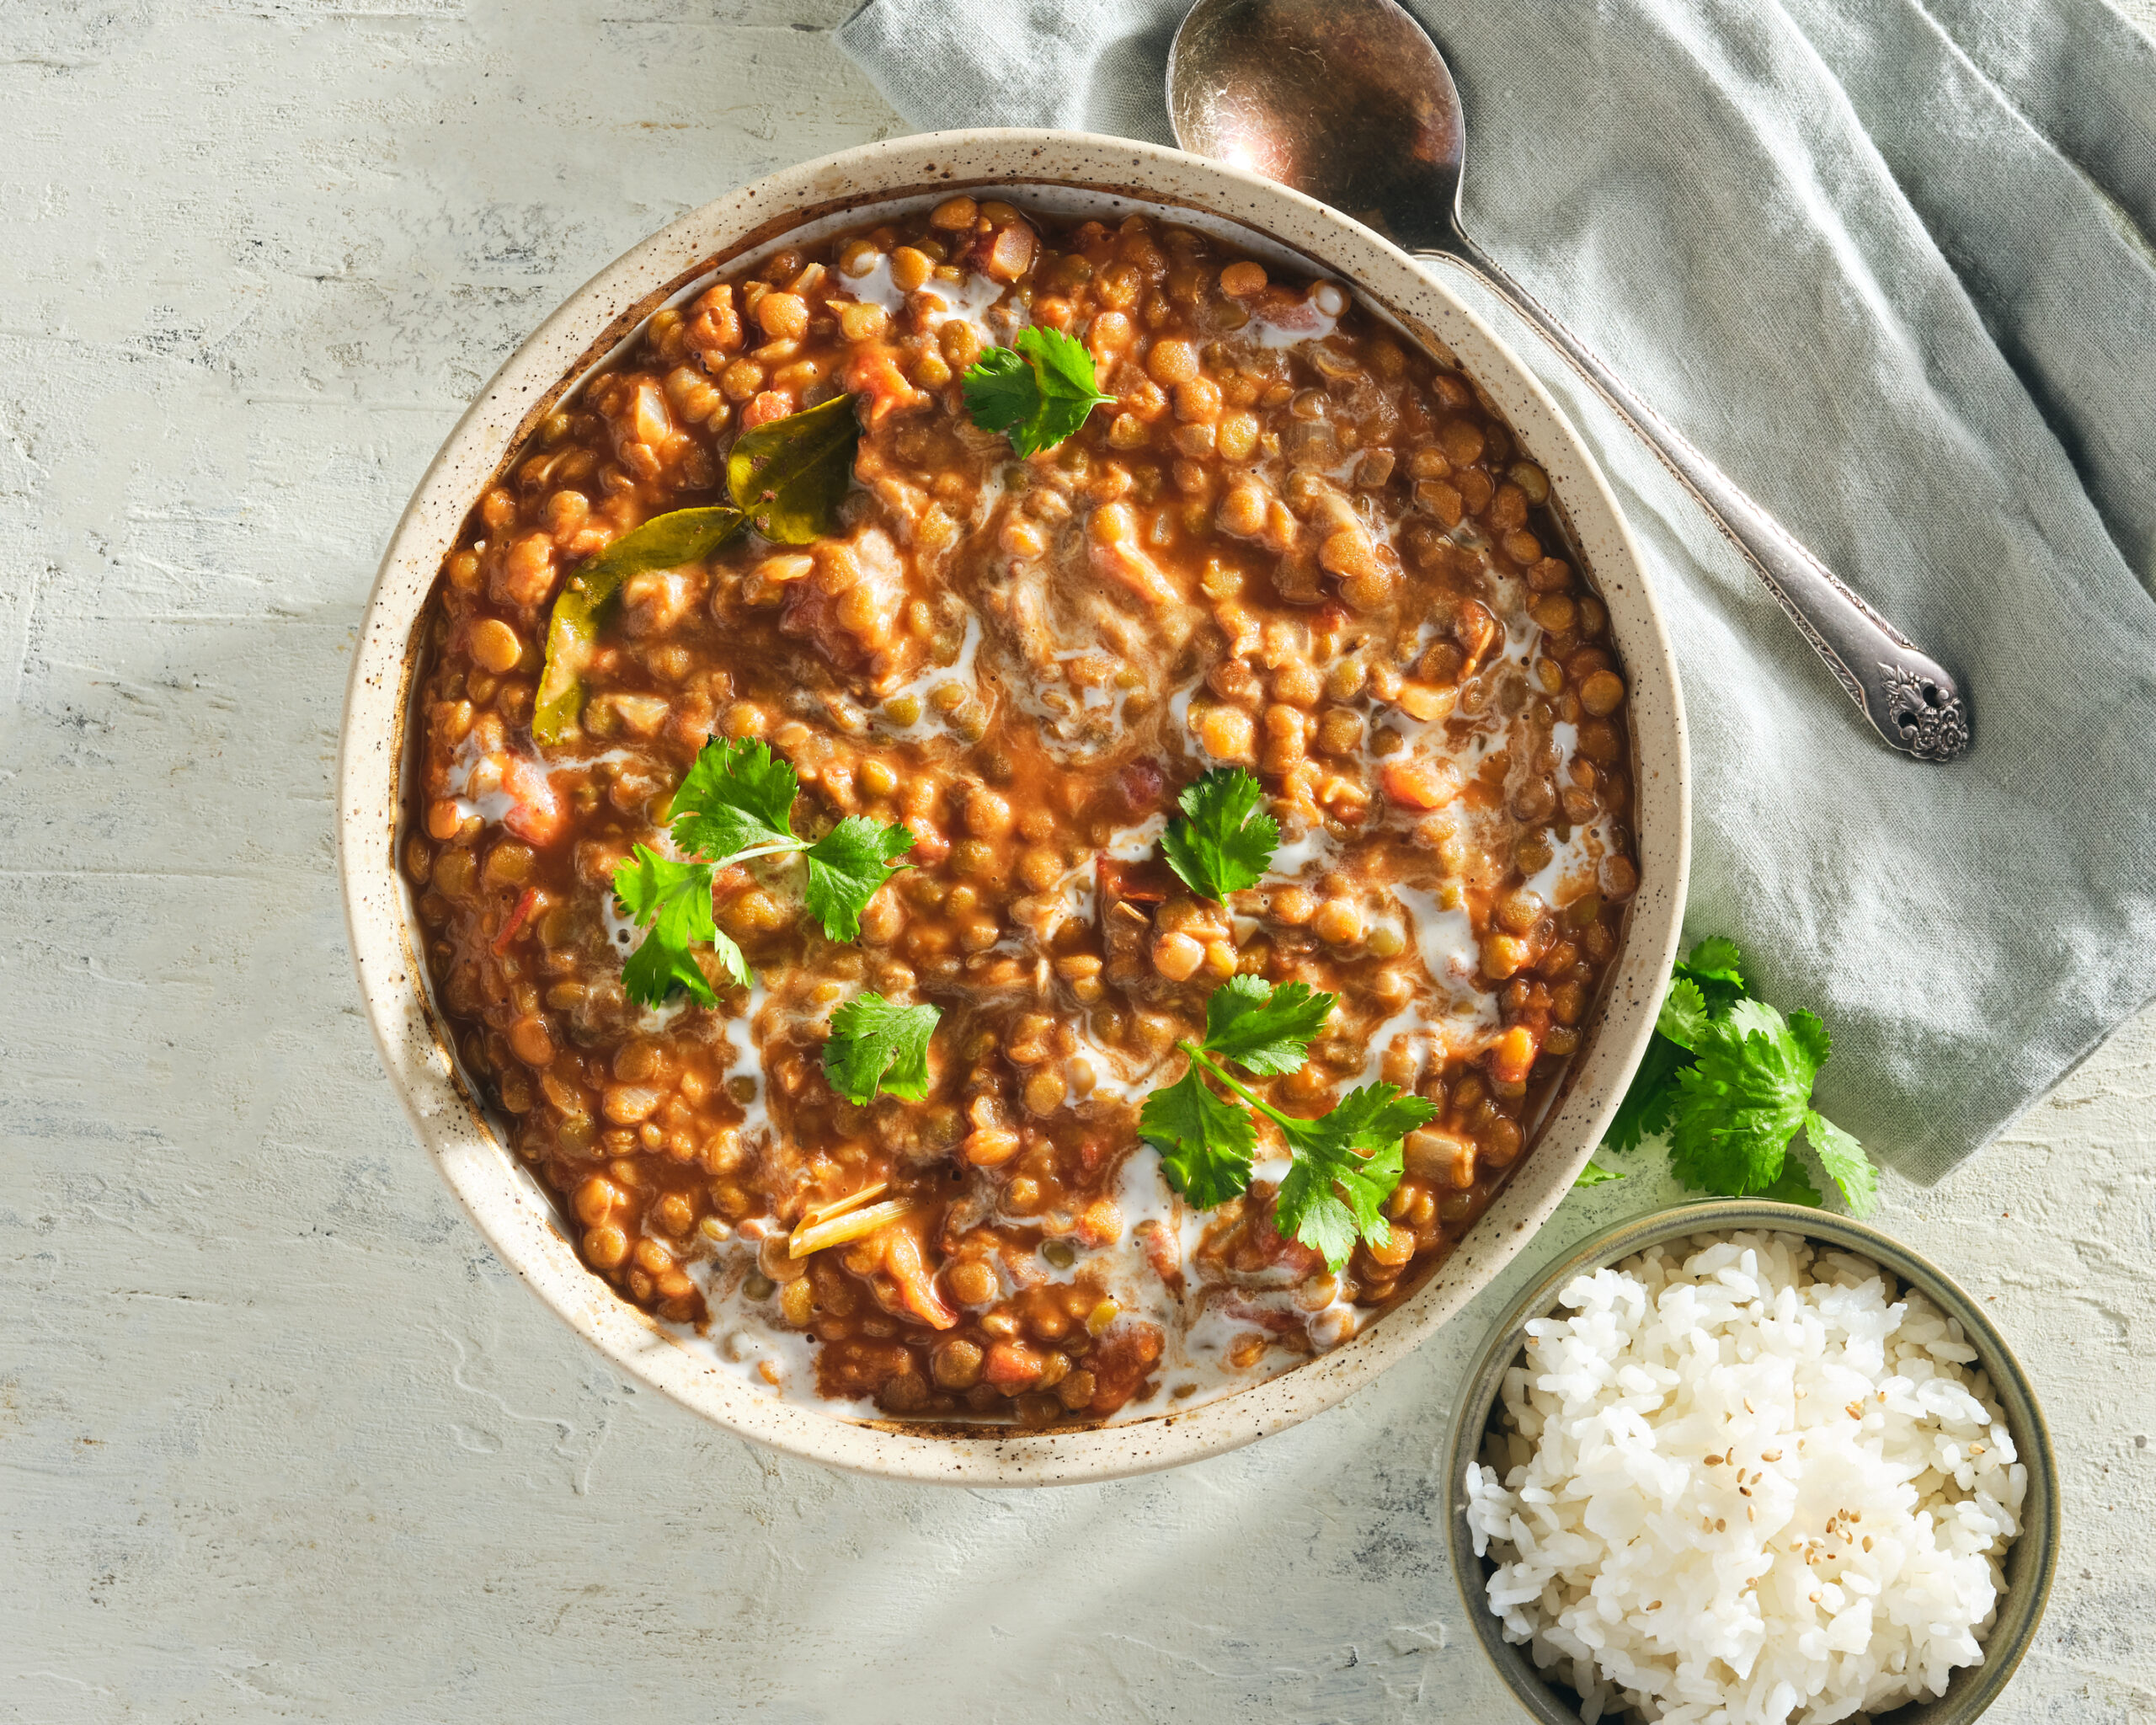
(1350, 102)
(1352, 105)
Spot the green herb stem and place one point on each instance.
(792, 850)
(1199, 1057)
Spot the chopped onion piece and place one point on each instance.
(837, 1230)
(817, 1213)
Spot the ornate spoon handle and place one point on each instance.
(1906, 695)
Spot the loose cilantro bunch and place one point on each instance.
(737, 804)
(1344, 1164)
(1729, 1080)
(1040, 393)
(877, 1044)
(1221, 843)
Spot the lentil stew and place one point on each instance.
(1292, 543)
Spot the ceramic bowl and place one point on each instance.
(1066, 172)
(2030, 1560)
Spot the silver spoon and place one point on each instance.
(1349, 102)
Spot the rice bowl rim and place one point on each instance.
(2031, 1561)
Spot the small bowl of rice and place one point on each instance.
(1742, 1463)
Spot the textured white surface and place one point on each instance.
(278, 1438)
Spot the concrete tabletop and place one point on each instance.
(279, 1438)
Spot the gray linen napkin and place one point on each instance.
(1878, 259)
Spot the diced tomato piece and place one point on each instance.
(1476, 631)
(517, 919)
(1512, 1055)
(1163, 1250)
(930, 847)
(1269, 1318)
(873, 374)
(1126, 1354)
(537, 817)
(1013, 1367)
(768, 405)
(1419, 784)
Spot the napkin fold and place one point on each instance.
(1886, 264)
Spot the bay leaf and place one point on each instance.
(789, 476)
(682, 536)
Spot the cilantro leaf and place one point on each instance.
(1811, 1036)
(737, 800)
(1205, 1144)
(1645, 1110)
(1843, 1159)
(1373, 1116)
(1309, 1211)
(1263, 1028)
(1001, 392)
(1717, 956)
(1738, 1108)
(1794, 1186)
(846, 867)
(738, 796)
(1347, 1163)
(1039, 395)
(1730, 1080)
(875, 1044)
(1717, 969)
(1221, 843)
(1748, 1018)
(1684, 1016)
(657, 967)
(673, 900)
(1594, 1174)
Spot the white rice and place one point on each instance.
(1747, 1485)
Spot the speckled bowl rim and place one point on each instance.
(2032, 1561)
(506, 1203)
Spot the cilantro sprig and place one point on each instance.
(877, 1044)
(1343, 1165)
(1038, 390)
(1222, 842)
(736, 805)
(1729, 1080)
(673, 899)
